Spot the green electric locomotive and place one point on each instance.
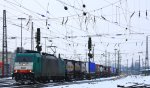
(33, 66)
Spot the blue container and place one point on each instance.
(92, 67)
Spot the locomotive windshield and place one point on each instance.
(23, 59)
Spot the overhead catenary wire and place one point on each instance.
(77, 18)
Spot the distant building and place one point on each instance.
(10, 63)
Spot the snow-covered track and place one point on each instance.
(11, 83)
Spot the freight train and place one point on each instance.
(33, 66)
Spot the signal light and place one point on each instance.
(84, 13)
(65, 7)
(84, 6)
(38, 35)
(90, 55)
(90, 43)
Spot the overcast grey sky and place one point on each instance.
(104, 21)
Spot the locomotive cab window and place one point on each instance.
(23, 59)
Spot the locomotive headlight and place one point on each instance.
(30, 70)
(15, 71)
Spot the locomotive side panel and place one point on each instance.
(49, 66)
(61, 67)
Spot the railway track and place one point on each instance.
(11, 83)
(135, 85)
(84, 81)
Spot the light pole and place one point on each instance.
(15, 41)
(127, 68)
(115, 58)
(118, 67)
(139, 61)
(146, 58)
(21, 30)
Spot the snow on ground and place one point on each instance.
(130, 80)
(5, 78)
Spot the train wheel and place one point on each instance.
(89, 77)
(22, 83)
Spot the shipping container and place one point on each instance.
(112, 70)
(101, 68)
(77, 66)
(97, 68)
(83, 70)
(77, 72)
(69, 69)
(83, 67)
(107, 71)
(69, 66)
(115, 71)
(92, 67)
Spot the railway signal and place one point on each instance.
(90, 44)
(38, 36)
(89, 54)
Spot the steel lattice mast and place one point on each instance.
(4, 42)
